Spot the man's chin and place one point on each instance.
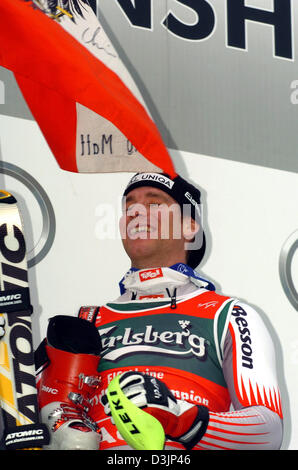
(141, 249)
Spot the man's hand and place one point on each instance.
(182, 421)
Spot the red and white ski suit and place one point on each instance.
(209, 349)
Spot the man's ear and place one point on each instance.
(190, 228)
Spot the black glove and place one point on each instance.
(183, 422)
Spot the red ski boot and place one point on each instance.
(69, 357)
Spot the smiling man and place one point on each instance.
(200, 362)
(159, 222)
(148, 234)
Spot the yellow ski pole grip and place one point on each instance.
(139, 429)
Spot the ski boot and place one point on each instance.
(68, 359)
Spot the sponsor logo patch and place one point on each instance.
(150, 274)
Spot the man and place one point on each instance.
(203, 364)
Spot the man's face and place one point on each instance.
(152, 229)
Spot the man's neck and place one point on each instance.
(153, 262)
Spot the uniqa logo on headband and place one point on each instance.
(152, 177)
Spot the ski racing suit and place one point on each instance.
(207, 348)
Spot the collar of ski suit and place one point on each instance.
(148, 280)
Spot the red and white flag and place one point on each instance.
(80, 93)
